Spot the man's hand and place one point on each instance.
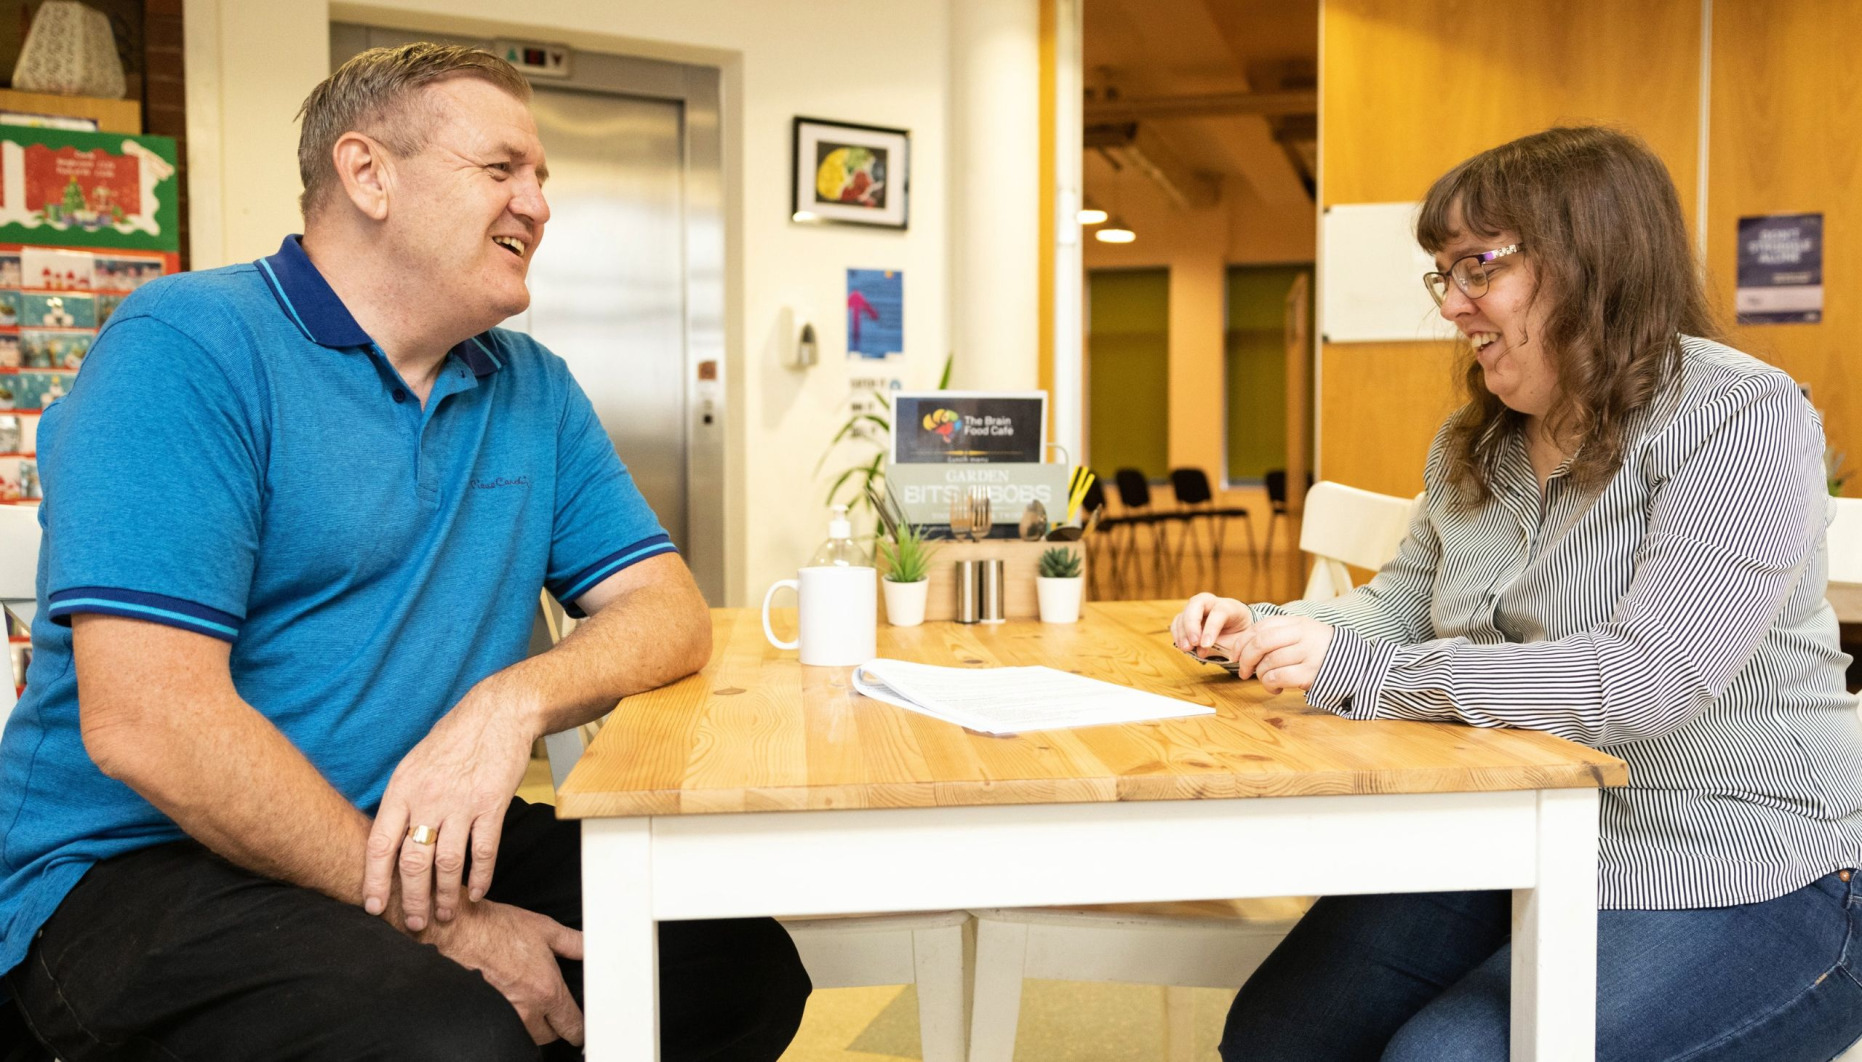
(515, 950)
(1210, 622)
(1284, 652)
(459, 781)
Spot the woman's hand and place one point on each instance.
(1210, 622)
(1284, 652)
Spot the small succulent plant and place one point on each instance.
(1060, 563)
(907, 555)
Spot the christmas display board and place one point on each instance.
(85, 220)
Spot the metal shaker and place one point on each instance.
(989, 589)
(969, 582)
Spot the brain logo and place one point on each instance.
(944, 424)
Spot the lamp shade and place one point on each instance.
(70, 51)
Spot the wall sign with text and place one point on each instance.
(1780, 269)
(968, 427)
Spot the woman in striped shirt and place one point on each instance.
(1622, 545)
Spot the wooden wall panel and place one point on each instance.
(1411, 87)
(1380, 407)
(1786, 138)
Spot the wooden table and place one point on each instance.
(761, 787)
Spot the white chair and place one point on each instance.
(1211, 944)
(1347, 526)
(930, 950)
(19, 571)
(1843, 540)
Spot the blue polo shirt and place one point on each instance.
(238, 459)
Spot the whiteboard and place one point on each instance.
(1371, 271)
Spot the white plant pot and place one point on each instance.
(1059, 598)
(905, 602)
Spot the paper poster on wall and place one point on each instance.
(1780, 269)
(76, 189)
(875, 313)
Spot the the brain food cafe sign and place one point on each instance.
(946, 443)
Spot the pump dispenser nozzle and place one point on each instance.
(840, 549)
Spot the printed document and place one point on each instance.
(1010, 700)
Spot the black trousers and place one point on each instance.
(173, 953)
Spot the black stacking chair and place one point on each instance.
(1276, 482)
(1134, 495)
(1105, 542)
(1197, 508)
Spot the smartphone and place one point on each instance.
(1216, 657)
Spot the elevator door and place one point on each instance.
(627, 284)
(607, 283)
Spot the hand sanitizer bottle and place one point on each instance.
(840, 550)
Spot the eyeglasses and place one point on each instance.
(1469, 274)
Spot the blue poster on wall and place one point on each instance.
(875, 313)
(1780, 269)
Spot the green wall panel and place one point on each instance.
(1256, 367)
(1128, 351)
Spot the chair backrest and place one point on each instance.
(563, 747)
(1275, 479)
(19, 552)
(1191, 486)
(1843, 540)
(1344, 525)
(1134, 491)
(1094, 497)
(19, 574)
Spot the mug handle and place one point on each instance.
(768, 631)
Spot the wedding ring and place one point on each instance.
(422, 834)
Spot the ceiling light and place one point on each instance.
(1092, 216)
(1114, 231)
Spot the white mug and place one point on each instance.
(839, 615)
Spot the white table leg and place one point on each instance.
(1001, 959)
(620, 973)
(1555, 936)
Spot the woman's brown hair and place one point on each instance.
(1597, 214)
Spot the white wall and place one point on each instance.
(251, 62)
(996, 193)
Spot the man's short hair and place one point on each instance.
(376, 93)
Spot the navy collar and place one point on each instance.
(309, 301)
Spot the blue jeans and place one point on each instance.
(1426, 978)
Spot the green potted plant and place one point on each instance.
(908, 574)
(1059, 585)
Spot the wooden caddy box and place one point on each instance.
(1021, 562)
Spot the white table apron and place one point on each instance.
(1540, 844)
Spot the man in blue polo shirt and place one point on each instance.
(258, 794)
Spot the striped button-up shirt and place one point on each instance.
(1674, 618)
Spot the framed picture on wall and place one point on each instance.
(856, 174)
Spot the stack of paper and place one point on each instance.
(1009, 700)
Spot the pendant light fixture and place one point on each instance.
(1114, 231)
